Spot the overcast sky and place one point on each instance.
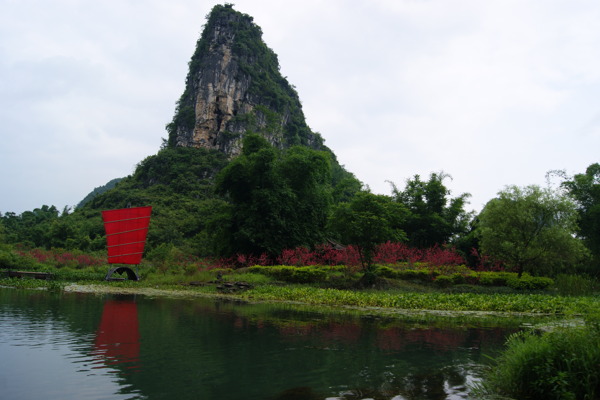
(493, 93)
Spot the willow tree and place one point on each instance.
(531, 229)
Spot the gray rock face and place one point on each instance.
(234, 87)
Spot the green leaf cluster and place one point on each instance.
(277, 200)
(585, 190)
(531, 229)
(367, 221)
(433, 216)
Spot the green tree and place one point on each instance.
(585, 189)
(30, 227)
(434, 217)
(531, 229)
(367, 221)
(277, 200)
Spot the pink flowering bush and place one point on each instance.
(61, 258)
(389, 253)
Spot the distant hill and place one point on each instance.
(98, 191)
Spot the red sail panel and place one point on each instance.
(126, 231)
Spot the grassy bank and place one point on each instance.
(432, 300)
(332, 289)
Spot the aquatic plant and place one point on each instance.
(495, 302)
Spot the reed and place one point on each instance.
(562, 365)
(576, 285)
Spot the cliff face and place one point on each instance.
(234, 87)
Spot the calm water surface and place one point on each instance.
(76, 346)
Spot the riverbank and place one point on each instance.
(389, 297)
(377, 301)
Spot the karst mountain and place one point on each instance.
(234, 86)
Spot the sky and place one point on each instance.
(492, 93)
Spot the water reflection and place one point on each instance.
(118, 337)
(142, 348)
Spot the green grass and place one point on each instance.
(515, 303)
(561, 365)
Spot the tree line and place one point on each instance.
(268, 200)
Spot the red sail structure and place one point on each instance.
(126, 231)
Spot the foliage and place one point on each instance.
(41, 259)
(433, 218)
(561, 365)
(446, 278)
(585, 189)
(515, 302)
(528, 282)
(494, 278)
(530, 229)
(444, 281)
(394, 252)
(277, 200)
(308, 274)
(367, 221)
(576, 285)
(388, 253)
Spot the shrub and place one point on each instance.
(562, 364)
(528, 282)
(386, 272)
(308, 274)
(472, 278)
(414, 275)
(456, 278)
(444, 281)
(493, 278)
(8, 260)
(18, 260)
(394, 252)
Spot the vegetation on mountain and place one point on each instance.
(97, 191)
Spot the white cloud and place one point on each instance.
(491, 92)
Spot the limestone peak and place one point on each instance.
(234, 87)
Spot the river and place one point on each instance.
(90, 346)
